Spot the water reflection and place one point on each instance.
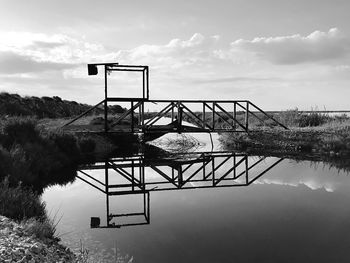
(139, 175)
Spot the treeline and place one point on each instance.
(46, 107)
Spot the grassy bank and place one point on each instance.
(30, 160)
(312, 136)
(38, 158)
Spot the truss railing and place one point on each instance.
(186, 116)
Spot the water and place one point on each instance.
(294, 212)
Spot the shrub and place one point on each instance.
(42, 228)
(86, 145)
(5, 163)
(19, 202)
(19, 130)
(66, 143)
(312, 119)
(289, 117)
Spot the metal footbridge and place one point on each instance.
(157, 117)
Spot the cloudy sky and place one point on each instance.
(280, 54)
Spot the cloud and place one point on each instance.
(175, 54)
(233, 80)
(26, 52)
(316, 47)
(200, 66)
(12, 63)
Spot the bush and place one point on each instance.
(66, 143)
(86, 145)
(19, 202)
(43, 228)
(296, 118)
(5, 163)
(313, 119)
(19, 130)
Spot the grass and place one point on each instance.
(313, 136)
(23, 205)
(30, 160)
(42, 228)
(19, 202)
(37, 157)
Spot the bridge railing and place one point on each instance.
(184, 116)
(195, 116)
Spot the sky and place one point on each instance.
(278, 54)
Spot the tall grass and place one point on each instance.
(296, 118)
(19, 202)
(42, 228)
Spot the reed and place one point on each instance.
(20, 202)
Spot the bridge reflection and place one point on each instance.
(140, 175)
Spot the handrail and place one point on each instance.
(126, 113)
(219, 109)
(84, 113)
(263, 112)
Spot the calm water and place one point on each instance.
(295, 212)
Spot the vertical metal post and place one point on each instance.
(144, 203)
(179, 117)
(203, 117)
(213, 168)
(172, 112)
(180, 179)
(143, 83)
(234, 115)
(147, 75)
(140, 175)
(143, 113)
(107, 192)
(246, 170)
(148, 208)
(139, 117)
(142, 171)
(203, 168)
(213, 116)
(246, 116)
(132, 116)
(133, 175)
(106, 105)
(234, 165)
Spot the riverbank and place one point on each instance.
(329, 142)
(19, 244)
(31, 159)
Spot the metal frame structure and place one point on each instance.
(192, 171)
(228, 111)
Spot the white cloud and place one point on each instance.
(25, 49)
(175, 54)
(316, 47)
(202, 67)
(12, 63)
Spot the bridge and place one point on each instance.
(181, 115)
(140, 175)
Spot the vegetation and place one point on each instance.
(39, 158)
(45, 107)
(313, 136)
(23, 204)
(19, 202)
(30, 160)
